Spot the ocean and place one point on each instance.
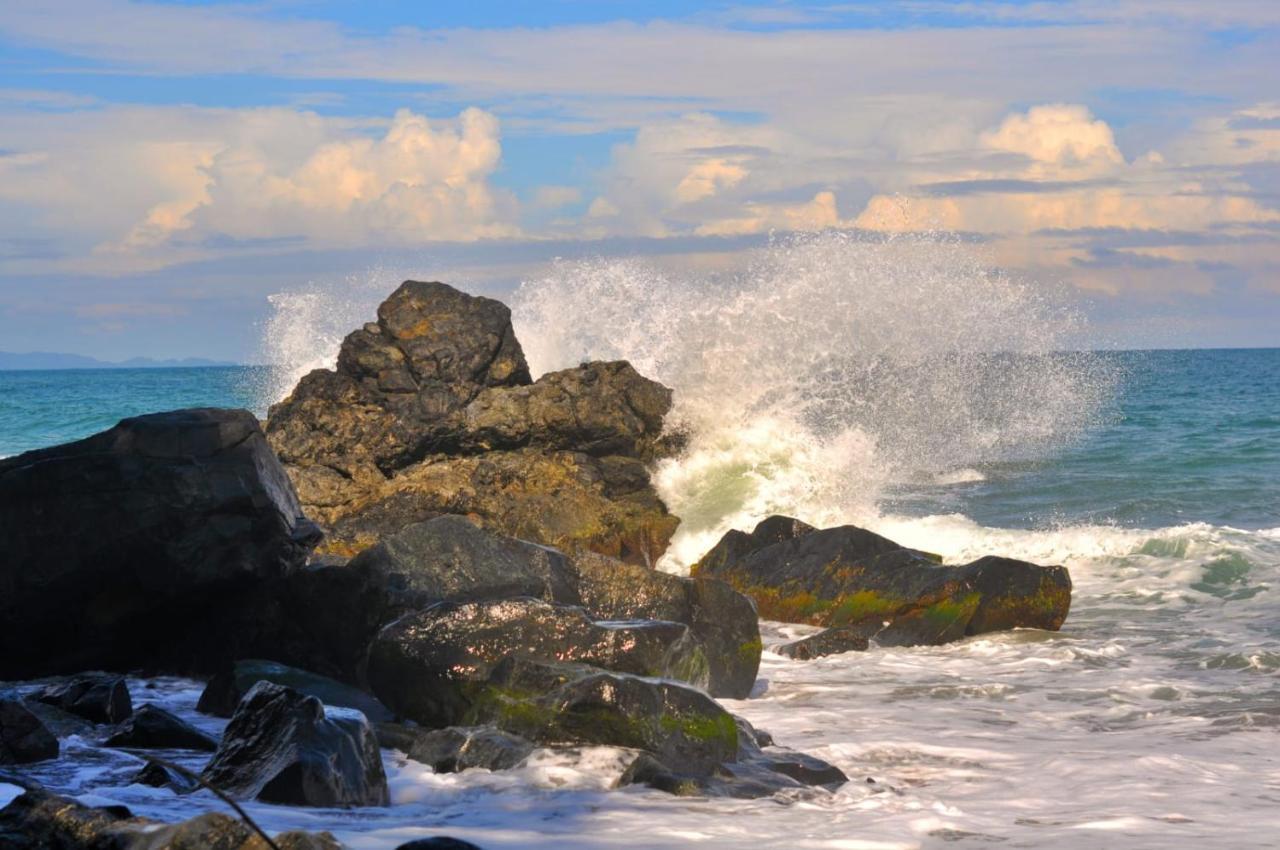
(1151, 720)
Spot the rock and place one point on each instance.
(427, 665)
(98, 697)
(456, 749)
(155, 775)
(282, 746)
(721, 619)
(39, 820)
(450, 559)
(23, 738)
(224, 691)
(736, 545)
(151, 727)
(431, 411)
(848, 576)
(439, 842)
(830, 642)
(119, 546)
(572, 704)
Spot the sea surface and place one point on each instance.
(1151, 720)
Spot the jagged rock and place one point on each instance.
(451, 559)
(428, 664)
(23, 738)
(431, 411)
(721, 619)
(848, 576)
(118, 546)
(830, 642)
(736, 545)
(151, 727)
(553, 704)
(284, 747)
(456, 748)
(39, 820)
(98, 697)
(156, 775)
(224, 691)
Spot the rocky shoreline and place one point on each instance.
(426, 552)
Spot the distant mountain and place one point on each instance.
(54, 360)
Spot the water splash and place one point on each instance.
(832, 367)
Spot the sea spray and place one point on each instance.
(832, 367)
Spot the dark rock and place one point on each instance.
(721, 619)
(455, 749)
(439, 842)
(138, 532)
(283, 747)
(553, 704)
(156, 775)
(647, 770)
(736, 545)
(98, 697)
(39, 820)
(830, 642)
(849, 576)
(223, 692)
(151, 727)
(23, 738)
(427, 665)
(430, 411)
(451, 559)
(803, 768)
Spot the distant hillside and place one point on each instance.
(54, 360)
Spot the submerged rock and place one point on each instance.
(456, 748)
(97, 697)
(830, 642)
(152, 727)
(156, 775)
(284, 747)
(23, 737)
(224, 691)
(721, 619)
(428, 664)
(119, 546)
(431, 411)
(848, 576)
(439, 842)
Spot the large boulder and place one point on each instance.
(723, 620)
(225, 690)
(97, 697)
(282, 746)
(117, 545)
(430, 410)
(153, 728)
(23, 737)
(428, 665)
(848, 576)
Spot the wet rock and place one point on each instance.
(439, 842)
(216, 831)
(97, 697)
(156, 775)
(152, 727)
(455, 748)
(427, 665)
(284, 747)
(830, 642)
(451, 559)
(736, 545)
(140, 531)
(23, 738)
(722, 620)
(224, 691)
(431, 411)
(552, 704)
(848, 576)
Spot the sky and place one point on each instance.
(167, 166)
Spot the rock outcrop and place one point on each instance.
(851, 577)
(23, 737)
(430, 410)
(118, 546)
(284, 747)
(433, 665)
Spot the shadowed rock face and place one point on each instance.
(851, 577)
(431, 410)
(23, 737)
(117, 544)
(152, 727)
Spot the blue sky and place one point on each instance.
(165, 167)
